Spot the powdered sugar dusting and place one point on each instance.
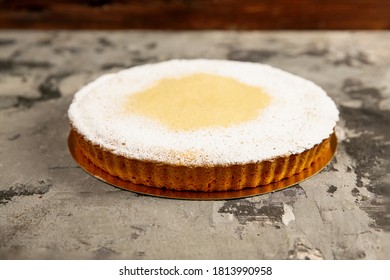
(300, 115)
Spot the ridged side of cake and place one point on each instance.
(199, 178)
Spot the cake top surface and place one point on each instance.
(198, 101)
(203, 112)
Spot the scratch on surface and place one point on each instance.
(138, 231)
(63, 167)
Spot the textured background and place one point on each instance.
(50, 208)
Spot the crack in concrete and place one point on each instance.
(369, 152)
(303, 251)
(6, 65)
(138, 231)
(63, 167)
(21, 189)
(6, 42)
(104, 253)
(246, 211)
(48, 89)
(252, 55)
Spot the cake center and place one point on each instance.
(198, 101)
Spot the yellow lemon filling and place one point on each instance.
(198, 101)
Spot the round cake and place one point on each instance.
(202, 125)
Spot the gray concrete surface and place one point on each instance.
(51, 209)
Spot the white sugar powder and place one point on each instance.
(299, 116)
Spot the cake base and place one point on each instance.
(100, 174)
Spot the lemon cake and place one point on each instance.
(202, 125)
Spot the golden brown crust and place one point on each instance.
(207, 178)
